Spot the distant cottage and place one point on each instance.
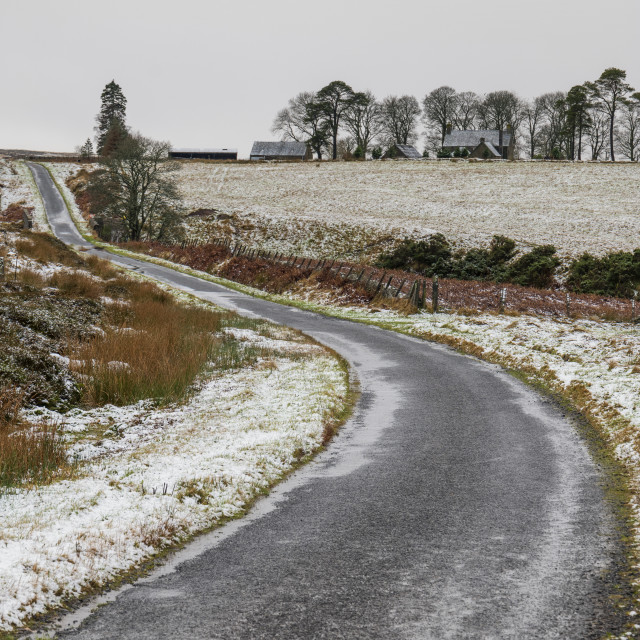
(481, 143)
(204, 154)
(405, 151)
(280, 151)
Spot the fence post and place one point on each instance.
(434, 294)
(360, 276)
(2, 268)
(633, 306)
(503, 298)
(424, 294)
(412, 292)
(400, 288)
(366, 284)
(567, 302)
(388, 282)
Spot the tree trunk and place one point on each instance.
(580, 139)
(613, 117)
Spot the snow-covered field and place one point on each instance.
(577, 207)
(148, 478)
(16, 186)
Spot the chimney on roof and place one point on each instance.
(481, 140)
(449, 128)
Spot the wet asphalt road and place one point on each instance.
(456, 503)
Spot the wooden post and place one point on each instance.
(389, 282)
(384, 273)
(399, 291)
(424, 294)
(503, 297)
(567, 302)
(360, 276)
(349, 272)
(2, 268)
(411, 291)
(366, 284)
(434, 294)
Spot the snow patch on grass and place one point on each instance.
(148, 478)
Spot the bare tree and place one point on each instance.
(611, 90)
(598, 132)
(628, 130)
(499, 109)
(302, 122)
(363, 120)
(466, 112)
(134, 189)
(552, 132)
(534, 116)
(400, 119)
(439, 109)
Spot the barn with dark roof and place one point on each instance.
(283, 150)
(204, 154)
(403, 151)
(481, 143)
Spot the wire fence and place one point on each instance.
(443, 294)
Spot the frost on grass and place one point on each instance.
(316, 209)
(18, 188)
(148, 478)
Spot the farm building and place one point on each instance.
(204, 154)
(403, 151)
(280, 151)
(482, 143)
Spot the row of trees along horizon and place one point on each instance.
(600, 116)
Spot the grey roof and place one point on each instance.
(472, 138)
(189, 150)
(409, 151)
(282, 148)
(492, 149)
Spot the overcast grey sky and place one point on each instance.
(214, 74)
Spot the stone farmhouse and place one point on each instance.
(490, 144)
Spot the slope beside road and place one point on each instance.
(456, 503)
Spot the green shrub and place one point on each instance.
(443, 153)
(495, 263)
(533, 269)
(429, 257)
(615, 274)
(376, 153)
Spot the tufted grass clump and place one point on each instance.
(28, 454)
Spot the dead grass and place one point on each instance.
(76, 284)
(28, 455)
(14, 212)
(155, 349)
(47, 249)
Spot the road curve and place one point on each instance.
(456, 503)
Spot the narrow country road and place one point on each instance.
(456, 503)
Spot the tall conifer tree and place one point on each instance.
(112, 116)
